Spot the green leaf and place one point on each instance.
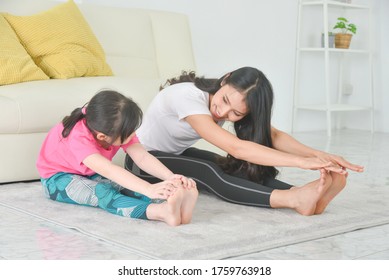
(344, 26)
(342, 19)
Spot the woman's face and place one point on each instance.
(227, 104)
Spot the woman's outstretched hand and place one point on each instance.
(315, 163)
(338, 160)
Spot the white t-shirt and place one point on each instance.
(164, 127)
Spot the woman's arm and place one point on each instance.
(107, 169)
(286, 143)
(250, 151)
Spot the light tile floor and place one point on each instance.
(23, 238)
(29, 238)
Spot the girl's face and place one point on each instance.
(227, 104)
(104, 140)
(117, 142)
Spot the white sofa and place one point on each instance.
(143, 48)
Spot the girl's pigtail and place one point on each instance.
(70, 121)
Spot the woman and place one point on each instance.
(190, 108)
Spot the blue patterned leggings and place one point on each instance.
(96, 191)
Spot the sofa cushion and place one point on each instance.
(16, 65)
(61, 42)
(34, 107)
(127, 37)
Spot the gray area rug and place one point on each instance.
(219, 230)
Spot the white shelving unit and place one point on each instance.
(332, 102)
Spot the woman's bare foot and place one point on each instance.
(168, 211)
(338, 184)
(302, 199)
(188, 205)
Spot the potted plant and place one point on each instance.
(343, 38)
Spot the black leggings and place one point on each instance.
(202, 167)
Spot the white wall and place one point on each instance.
(232, 33)
(381, 73)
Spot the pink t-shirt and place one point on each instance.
(60, 154)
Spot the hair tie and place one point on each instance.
(83, 110)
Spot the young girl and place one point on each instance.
(190, 108)
(75, 164)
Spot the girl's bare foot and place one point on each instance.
(338, 184)
(174, 203)
(302, 199)
(188, 205)
(168, 211)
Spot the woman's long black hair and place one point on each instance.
(255, 126)
(108, 112)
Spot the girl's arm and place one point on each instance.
(286, 143)
(250, 151)
(107, 169)
(150, 164)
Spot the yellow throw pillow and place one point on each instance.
(61, 42)
(15, 64)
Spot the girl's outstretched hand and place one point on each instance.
(162, 190)
(338, 160)
(185, 182)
